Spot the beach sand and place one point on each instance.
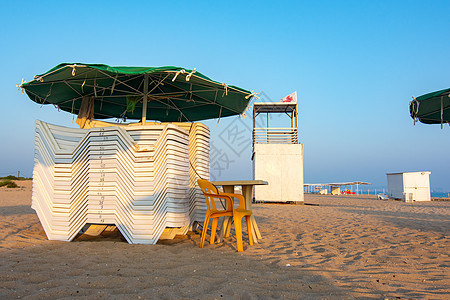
(342, 247)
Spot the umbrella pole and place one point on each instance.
(144, 103)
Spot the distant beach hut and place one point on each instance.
(140, 177)
(409, 186)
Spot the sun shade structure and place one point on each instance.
(432, 108)
(167, 94)
(141, 177)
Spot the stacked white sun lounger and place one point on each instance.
(135, 177)
(199, 167)
(199, 138)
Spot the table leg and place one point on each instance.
(247, 192)
(228, 189)
(226, 224)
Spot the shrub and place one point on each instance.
(9, 183)
(4, 182)
(12, 185)
(12, 177)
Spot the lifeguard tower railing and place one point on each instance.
(275, 135)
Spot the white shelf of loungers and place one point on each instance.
(138, 178)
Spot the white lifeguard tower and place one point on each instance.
(278, 155)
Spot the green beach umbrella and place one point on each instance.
(167, 94)
(431, 108)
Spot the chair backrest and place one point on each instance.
(208, 190)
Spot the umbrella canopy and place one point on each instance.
(168, 94)
(432, 108)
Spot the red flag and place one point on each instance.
(290, 98)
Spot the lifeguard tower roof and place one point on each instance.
(274, 107)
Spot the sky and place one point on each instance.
(355, 66)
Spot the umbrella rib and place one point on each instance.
(195, 101)
(106, 101)
(42, 76)
(213, 82)
(122, 82)
(126, 91)
(105, 115)
(78, 77)
(101, 90)
(63, 67)
(173, 106)
(184, 92)
(72, 88)
(218, 104)
(205, 104)
(157, 83)
(103, 98)
(219, 84)
(114, 83)
(73, 79)
(42, 100)
(59, 105)
(206, 100)
(82, 80)
(174, 86)
(107, 88)
(201, 84)
(176, 107)
(209, 88)
(435, 111)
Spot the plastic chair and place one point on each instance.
(211, 193)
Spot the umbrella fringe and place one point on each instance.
(225, 92)
(190, 74)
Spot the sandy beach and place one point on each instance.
(340, 247)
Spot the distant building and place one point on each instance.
(335, 190)
(409, 186)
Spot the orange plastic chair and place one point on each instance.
(211, 193)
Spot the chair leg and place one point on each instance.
(213, 229)
(238, 228)
(227, 234)
(205, 229)
(249, 229)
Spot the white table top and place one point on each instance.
(240, 182)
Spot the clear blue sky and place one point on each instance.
(355, 65)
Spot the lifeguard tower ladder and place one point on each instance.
(277, 155)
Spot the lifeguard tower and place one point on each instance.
(277, 155)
